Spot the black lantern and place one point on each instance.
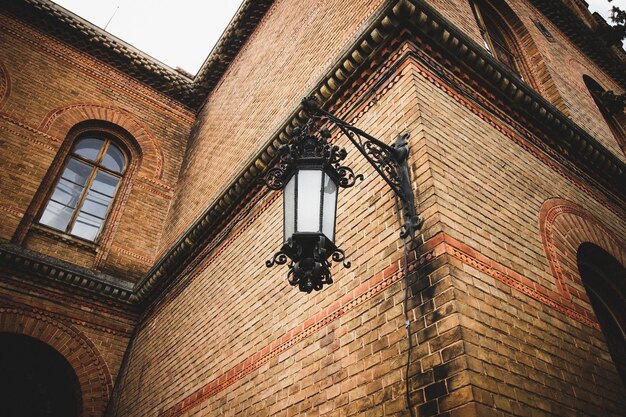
(310, 174)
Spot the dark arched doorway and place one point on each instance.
(605, 281)
(612, 108)
(35, 380)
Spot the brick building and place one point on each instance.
(134, 229)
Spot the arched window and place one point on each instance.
(85, 190)
(497, 37)
(604, 279)
(612, 108)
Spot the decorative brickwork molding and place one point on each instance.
(564, 226)
(88, 364)
(58, 123)
(12, 210)
(72, 315)
(355, 298)
(5, 84)
(15, 258)
(49, 139)
(517, 281)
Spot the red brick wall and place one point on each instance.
(494, 331)
(488, 322)
(52, 87)
(91, 336)
(47, 88)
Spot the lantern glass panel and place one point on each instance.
(289, 208)
(309, 200)
(329, 208)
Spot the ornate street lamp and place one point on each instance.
(310, 174)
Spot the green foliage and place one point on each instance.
(618, 17)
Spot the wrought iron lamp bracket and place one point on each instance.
(390, 162)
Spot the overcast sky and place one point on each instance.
(181, 33)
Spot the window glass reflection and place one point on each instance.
(85, 190)
(114, 159)
(89, 148)
(66, 195)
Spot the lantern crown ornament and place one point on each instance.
(310, 174)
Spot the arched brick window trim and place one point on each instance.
(616, 121)
(5, 85)
(59, 122)
(533, 67)
(88, 364)
(564, 227)
(127, 143)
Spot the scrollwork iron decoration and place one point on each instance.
(309, 141)
(389, 161)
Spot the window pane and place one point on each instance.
(56, 215)
(105, 184)
(88, 148)
(114, 159)
(66, 194)
(77, 172)
(309, 199)
(86, 226)
(95, 206)
(71, 184)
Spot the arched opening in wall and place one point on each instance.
(611, 107)
(84, 191)
(508, 39)
(604, 279)
(36, 380)
(500, 40)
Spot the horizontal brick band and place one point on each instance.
(437, 246)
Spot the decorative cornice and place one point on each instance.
(31, 264)
(562, 135)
